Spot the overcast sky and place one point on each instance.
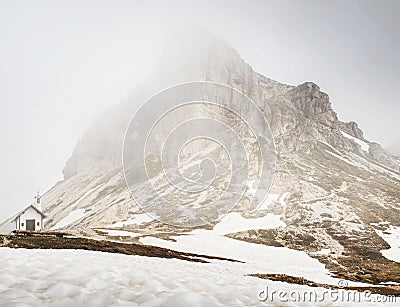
(64, 62)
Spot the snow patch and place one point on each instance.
(86, 195)
(364, 145)
(257, 258)
(137, 219)
(271, 197)
(274, 198)
(70, 218)
(330, 146)
(368, 166)
(323, 251)
(340, 158)
(234, 222)
(392, 237)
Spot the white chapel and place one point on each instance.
(31, 218)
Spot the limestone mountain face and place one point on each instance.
(331, 184)
(299, 111)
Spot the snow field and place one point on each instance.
(36, 277)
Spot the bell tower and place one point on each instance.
(38, 201)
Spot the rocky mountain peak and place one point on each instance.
(352, 129)
(314, 103)
(307, 132)
(299, 115)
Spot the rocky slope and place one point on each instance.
(333, 188)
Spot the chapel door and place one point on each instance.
(30, 225)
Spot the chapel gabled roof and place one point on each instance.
(22, 211)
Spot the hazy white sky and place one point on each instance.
(64, 62)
